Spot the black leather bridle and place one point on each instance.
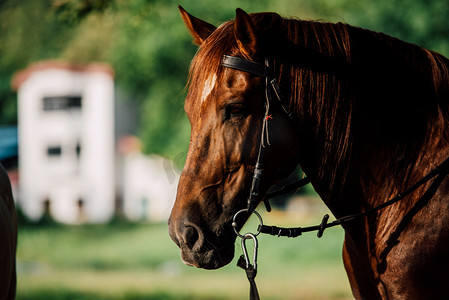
(271, 85)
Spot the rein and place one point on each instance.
(297, 231)
(271, 85)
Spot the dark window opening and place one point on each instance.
(54, 151)
(62, 103)
(78, 150)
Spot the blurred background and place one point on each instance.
(93, 136)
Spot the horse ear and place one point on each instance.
(245, 34)
(199, 29)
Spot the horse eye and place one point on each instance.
(235, 110)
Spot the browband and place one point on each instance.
(245, 65)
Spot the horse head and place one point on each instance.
(226, 109)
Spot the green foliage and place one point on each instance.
(28, 33)
(150, 50)
(421, 22)
(72, 11)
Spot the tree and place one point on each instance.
(150, 50)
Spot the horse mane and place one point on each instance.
(350, 88)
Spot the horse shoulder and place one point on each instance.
(414, 262)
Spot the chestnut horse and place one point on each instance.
(371, 118)
(8, 239)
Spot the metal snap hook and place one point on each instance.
(248, 236)
(235, 225)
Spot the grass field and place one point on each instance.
(139, 261)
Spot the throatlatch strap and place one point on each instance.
(288, 188)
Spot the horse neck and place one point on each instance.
(394, 120)
(376, 171)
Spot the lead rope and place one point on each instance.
(244, 261)
(250, 269)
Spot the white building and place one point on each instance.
(149, 183)
(66, 141)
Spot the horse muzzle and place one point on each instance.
(198, 249)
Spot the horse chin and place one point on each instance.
(210, 259)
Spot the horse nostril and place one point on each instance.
(191, 236)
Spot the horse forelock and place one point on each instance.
(206, 68)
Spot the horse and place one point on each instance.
(8, 239)
(367, 117)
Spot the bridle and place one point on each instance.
(271, 86)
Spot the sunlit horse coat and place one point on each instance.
(372, 118)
